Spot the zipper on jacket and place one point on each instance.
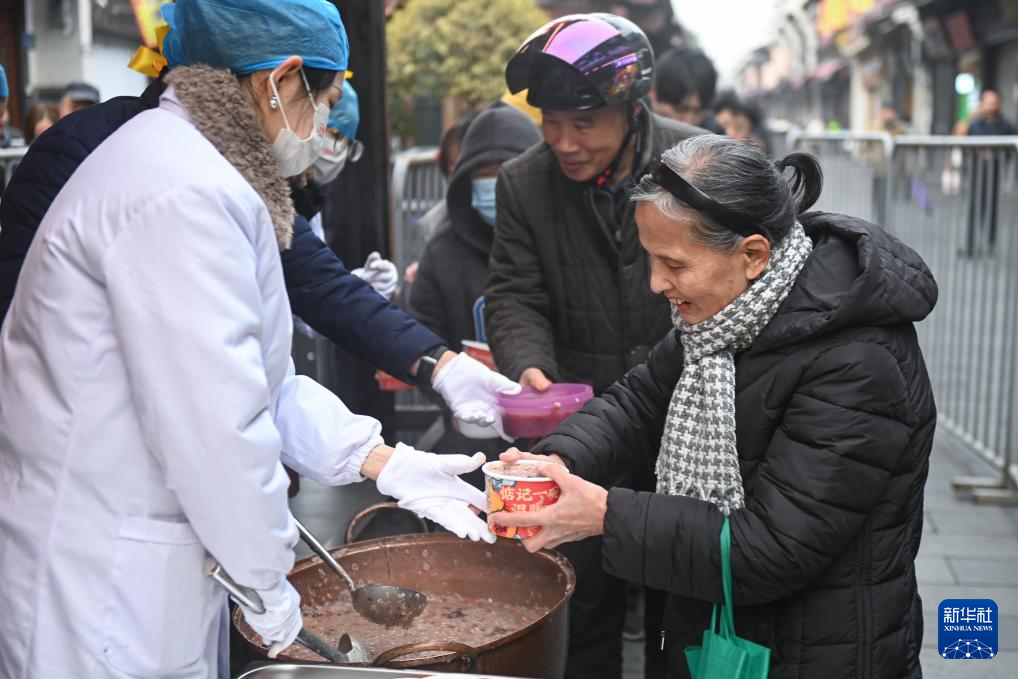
(662, 640)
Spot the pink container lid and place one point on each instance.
(559, 396)
(534, 414)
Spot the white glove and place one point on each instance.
(429, 485)
(281, 622)
(380, 273)
(470, 389)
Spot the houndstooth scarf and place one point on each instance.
(698, 457)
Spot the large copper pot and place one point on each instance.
(443, 563)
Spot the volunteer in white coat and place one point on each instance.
(146, 390)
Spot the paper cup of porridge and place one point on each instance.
(517, 487)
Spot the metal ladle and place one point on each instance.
(382, 604)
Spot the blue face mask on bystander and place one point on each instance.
(483, 198)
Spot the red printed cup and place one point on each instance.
(517, 487)
(387, 382)
(481, 352)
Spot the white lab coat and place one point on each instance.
(146, 398)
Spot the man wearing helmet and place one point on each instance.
(568, 297)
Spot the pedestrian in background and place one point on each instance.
(742, 119)
(705, 80)
(892, 122)
(985, 170)
(674, 95)
(989, 121)
(40, 118)
(78, 95)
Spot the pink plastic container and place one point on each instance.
(532, 414)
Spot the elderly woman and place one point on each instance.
(792, 395)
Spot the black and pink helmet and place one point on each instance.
(583, 61)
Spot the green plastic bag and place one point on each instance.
(724, 655)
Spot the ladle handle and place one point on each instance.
(323, 553)
(321, 646)
(245, 596)
(249, 598)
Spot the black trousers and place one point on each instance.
(596, 614)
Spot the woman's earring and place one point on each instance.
(274, 102)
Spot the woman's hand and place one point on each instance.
(579, 512)
(515, 455)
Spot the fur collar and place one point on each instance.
(220, 110)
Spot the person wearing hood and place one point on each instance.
(791, 397)
(152, 331)
(448, 293)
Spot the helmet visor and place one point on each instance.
(605, 58)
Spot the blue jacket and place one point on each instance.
(323, 293)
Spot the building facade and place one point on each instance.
(45, 44)
(836, 63)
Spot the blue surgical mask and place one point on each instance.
(483, 198)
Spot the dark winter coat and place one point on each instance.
(323, 293)
(834, 424)
(564, 294)
(449, 289)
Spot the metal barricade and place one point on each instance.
(955, 201)
(855, 170)
(417, 186)
(781, 138)
(9, 159)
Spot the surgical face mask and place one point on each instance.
(294, 155)
(483, 198)
(330, 163)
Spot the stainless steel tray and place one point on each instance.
(326, 672)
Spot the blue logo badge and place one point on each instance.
(967, 629)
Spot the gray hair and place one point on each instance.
(740, 176)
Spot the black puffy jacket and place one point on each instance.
(834, 424)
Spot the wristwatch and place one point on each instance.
(428, 361)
